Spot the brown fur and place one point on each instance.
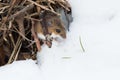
(38, 27)
(52, 23)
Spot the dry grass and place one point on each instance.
(17, 19)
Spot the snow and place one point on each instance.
(21, 70)
(97, 23)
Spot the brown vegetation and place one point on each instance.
(21, 22)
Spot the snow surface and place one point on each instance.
(97, 22)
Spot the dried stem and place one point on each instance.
(11, 59)
(16, 56)
(28, 7)
(11, 37)
(81, 44)
(35, 37)
(43, 7)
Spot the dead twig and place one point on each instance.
(11, 37)
(19, 20)
(11, 59)
(28, 7)
(22, 35)
(35, 37)
(17, 53)
(43, 7)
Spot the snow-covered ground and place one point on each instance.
(97, 22)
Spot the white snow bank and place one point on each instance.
(21, 70)
(95, 11)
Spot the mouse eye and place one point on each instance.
(58, 30)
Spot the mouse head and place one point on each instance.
(55, 27)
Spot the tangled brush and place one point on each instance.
(19, 23)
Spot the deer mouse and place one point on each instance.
(54, 26)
